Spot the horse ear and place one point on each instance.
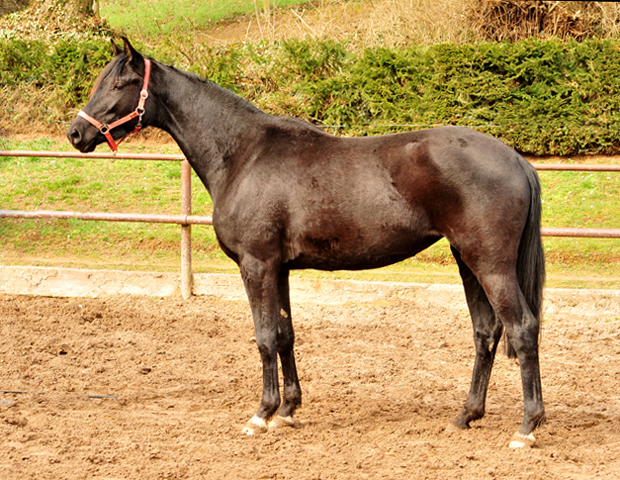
(117, 50)
(133, 56)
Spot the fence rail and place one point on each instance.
(98, 155)
(186, 219)
(575, 167)
(580, 232)
(111, 217)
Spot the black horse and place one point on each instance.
(287, 195)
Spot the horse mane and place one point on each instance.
(230, 97)
(235, 100)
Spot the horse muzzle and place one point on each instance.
(79, 137)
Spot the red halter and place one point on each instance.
(138, 112)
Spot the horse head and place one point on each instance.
(118, 103)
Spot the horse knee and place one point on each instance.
(268, 350)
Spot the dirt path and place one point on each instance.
(381, 381)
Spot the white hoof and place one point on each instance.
(452, 428)
(255, 426)
(279, 422)
(519, 440)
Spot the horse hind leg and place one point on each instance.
(524, 337)
(286, 340)
(502, 289)
(487, 332)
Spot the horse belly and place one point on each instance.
(371, 243)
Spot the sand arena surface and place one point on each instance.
(380, 381)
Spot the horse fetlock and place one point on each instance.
(461, 422)
(541, 419)
(532, 421)
(288, 409)
(467, 415)
(255, 426)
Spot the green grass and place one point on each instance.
(571, 199)
(582, 200)
(157, 17)
(96, 186)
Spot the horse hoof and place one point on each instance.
(279, 422)
(255, 426)
(452, 428)
(519, 440)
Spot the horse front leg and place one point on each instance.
(261, 284)
(286, 341)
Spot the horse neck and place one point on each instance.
(212, 126)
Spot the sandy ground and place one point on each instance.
(381, 381)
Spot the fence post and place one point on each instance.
(186, 230)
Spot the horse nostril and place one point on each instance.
(74, 136)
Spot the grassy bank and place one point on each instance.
(573, 199)
(160, 17)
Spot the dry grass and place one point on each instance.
(498, 20)
(363, 23)
(389, 23)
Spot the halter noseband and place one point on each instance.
(138, 112)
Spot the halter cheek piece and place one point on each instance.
(138, 112)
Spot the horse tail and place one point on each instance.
(531, 255)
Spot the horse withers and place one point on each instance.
(287, 195)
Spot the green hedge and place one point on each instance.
(68, 65)
(541, 97)
(44, 84)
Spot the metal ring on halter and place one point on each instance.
(144, 94)
(104, 129)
